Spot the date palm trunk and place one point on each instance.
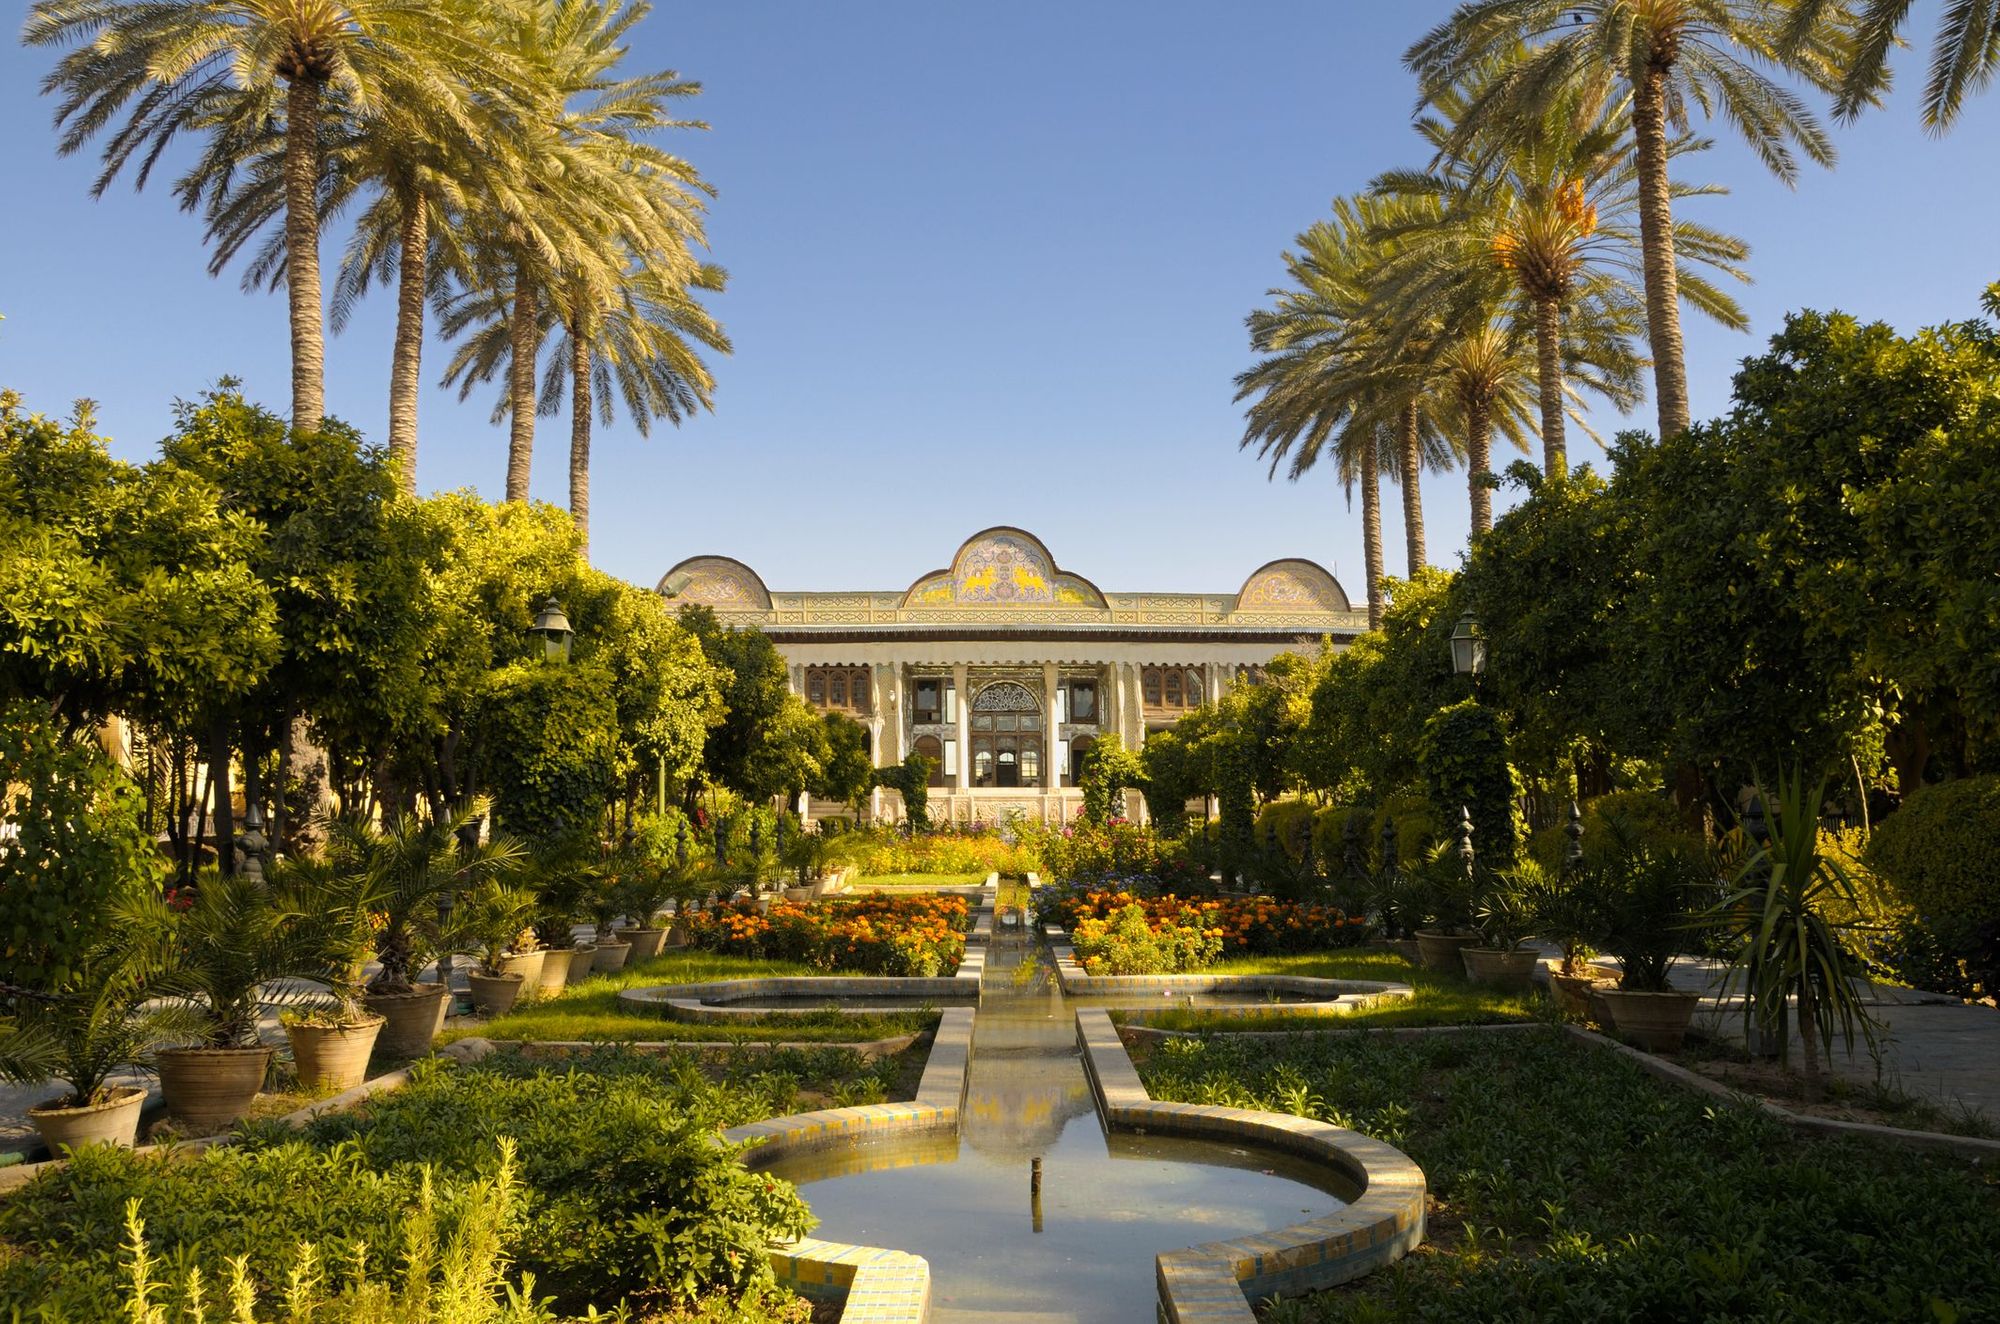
(1548, 354)
(1408, 441)
(405, 369)
(1656, 242)
(579, 432)
(302, 286)
(522, 336)
(1478, 458)
(1371, 530)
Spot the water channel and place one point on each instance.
(1083, 1250)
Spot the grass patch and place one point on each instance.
(1436, 999)
(927, 882)
(1567, 1184)
(591, 1010)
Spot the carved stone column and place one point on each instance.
(962, 700)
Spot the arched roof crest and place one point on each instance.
(721, 582)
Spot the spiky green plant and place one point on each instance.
(1790, 950)
(1965, 53)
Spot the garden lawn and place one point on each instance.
(1567, 1184)
(591, 1010)
(1436, 999)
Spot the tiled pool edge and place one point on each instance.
(1214, 1283)
(876, 1285)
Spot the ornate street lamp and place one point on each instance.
(552, 624)
(1468, 647)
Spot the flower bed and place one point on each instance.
(1128, 932)
(921, 935)
(876, 851)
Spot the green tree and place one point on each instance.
(550, 736)
(1670, 59)
(847, 773)
(1109, 769)
(190, 66)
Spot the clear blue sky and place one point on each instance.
(989, 265)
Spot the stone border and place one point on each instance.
(1214, 1283)
(1338, 997)
(875, 1285)
(1659, 1068)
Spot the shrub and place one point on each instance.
(1244, 926)
(1463, 752)
(1131, 943)
(1941, 854)
(1418, 828)
(876, 852)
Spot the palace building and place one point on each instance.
(1003, 667)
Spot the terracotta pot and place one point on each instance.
(611, 955)
(113, 1123)
(582, 961)
(1439, 951)
(1403, 947)
(493, 995)
(646, 943)
(1572, 992)
(678, 935)
(207, 1089)
(529, 966)
(334, 1057)
(556, 962)
(1658, 1022)
(413, 1019)
(1500, 967)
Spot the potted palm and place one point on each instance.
(1567, 912)
(1653, 898)
(108, 1015)
(562, 877)
(232, 943)
(1504, 920)
(1789, 947)
(604, 903)
(499, 922)
(331, 1042)
(643, 892)
(417, 864)
(1443, 905)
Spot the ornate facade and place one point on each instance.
(1003, 667)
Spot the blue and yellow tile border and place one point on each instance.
(1215, 1283)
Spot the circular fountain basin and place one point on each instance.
(743, 999)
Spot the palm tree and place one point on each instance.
(626, 201)
(1557, 215)
(1666, 56)
(1485, 369)
(644, 342)
(1325, 376)
(1965, 54)
(213, 66)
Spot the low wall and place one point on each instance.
(1334, 997)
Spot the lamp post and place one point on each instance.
(1468, 648)
(552, 624)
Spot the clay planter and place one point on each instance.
(1439, 951)
(207, 1089)
(582, 960)
(1657, 1022)
(334, 1057)
(492, 995)
(555, 970)
(113, 1123)
(414, 1019)
(611, 955)
(529, 966)
(1573, 992)
(1498, 967)
(646, 943)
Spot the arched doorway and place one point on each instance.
(1007, 749)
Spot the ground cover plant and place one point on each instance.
(590, 1010)
(1567, 1184)
(622, 1192)
(920, 935)
(927, 881)
(1435, 999)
